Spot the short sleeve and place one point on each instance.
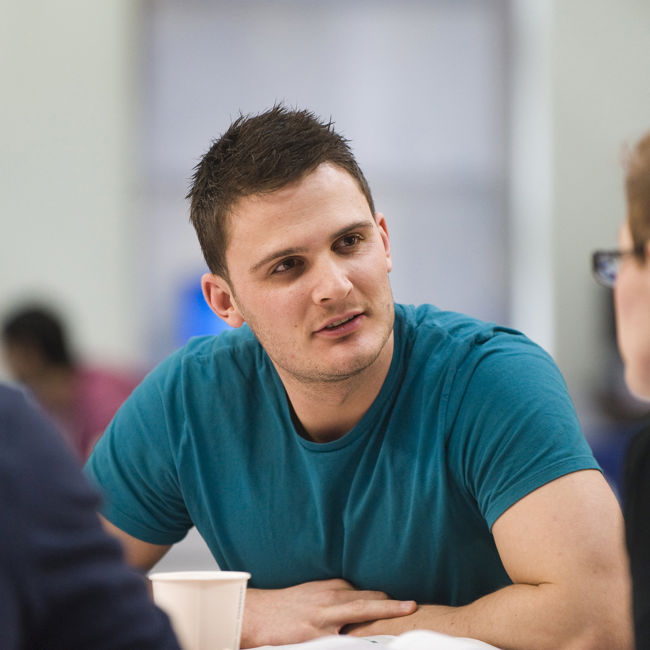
(134, 463)
(514, 427)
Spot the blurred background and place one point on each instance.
(490, 131)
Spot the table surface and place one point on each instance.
(415, 640)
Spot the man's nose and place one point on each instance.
(331, 281)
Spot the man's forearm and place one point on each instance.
(524, 617)
(312, 609)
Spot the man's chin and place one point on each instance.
(336, 373)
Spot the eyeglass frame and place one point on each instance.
(605, 264)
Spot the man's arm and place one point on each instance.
(281, 616)
(138, 554)
(563, 548)
(312, 609)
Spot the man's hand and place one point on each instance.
(312, 609)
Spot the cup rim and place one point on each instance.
(199, 576)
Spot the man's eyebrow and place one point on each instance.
(288, 252)
(366, 223)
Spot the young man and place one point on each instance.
(357, 456)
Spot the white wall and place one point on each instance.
(600, 62)
(580, 93)
(67, 155)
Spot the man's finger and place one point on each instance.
(362, 610)
(353, 594)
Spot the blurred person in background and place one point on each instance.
(627, 271)
(376, 467)
(81, 398)
(63, 581)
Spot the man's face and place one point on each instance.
(632, 303)
(308, 268)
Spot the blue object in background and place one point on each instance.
(195, 318)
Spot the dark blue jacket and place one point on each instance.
(63, 582)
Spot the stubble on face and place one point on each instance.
(293, 367)
(302, 256)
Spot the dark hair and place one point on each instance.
(637, 190)
(39, 329)
(258, 154)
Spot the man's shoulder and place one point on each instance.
(205, 359)
(193, 375)
(428, 320)
(454, 342)
(238, 343)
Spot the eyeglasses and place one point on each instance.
(605, 265)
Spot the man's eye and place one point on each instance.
(348, 241)
(286, 265)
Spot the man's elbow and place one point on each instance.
(606, 627)
(600, 637)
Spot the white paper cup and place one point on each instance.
(205, 607)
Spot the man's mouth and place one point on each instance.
(338, 323)
(343, 324)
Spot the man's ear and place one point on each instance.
(219, 296)
(380, 219)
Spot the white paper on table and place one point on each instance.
(415, 640)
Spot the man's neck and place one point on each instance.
(326, 411)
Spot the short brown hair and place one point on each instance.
(257, 154)
(637, 190)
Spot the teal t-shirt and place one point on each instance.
(471, 418)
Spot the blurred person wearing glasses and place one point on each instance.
(627, 272)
